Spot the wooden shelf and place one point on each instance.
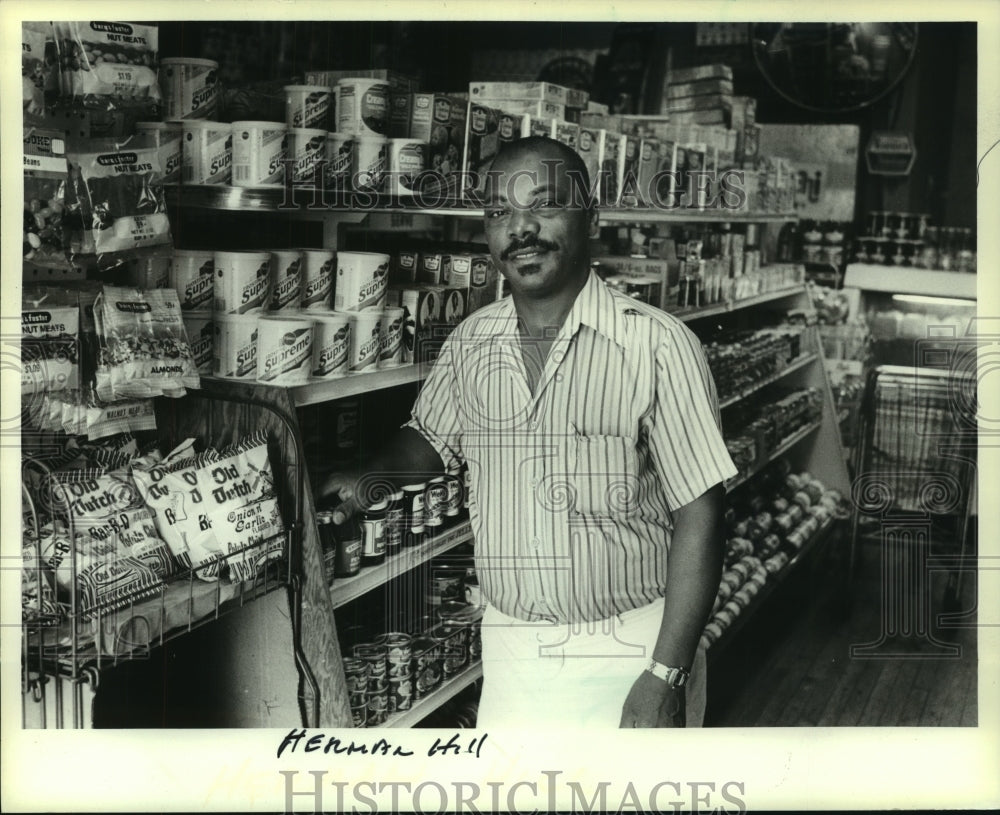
(422, 708)
(793, 366)
(353, 384)
(770, 585)
(345, 589)
(907, 280)
(625, 215)
(776, 453)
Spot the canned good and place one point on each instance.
(362, 106)
(435, 503)
(812, 253)
(259, 153)
(306, 149)
(373, 533)
(375, 656)
(207, 154)
(242, 282)
(347, 562)
(413, 514)
(390, 337)
(406, 266)
(234, 349)
(400, 693)
(397, 645)
(338, 161)
(286, 279)
(453, 660)
(190, 87)
(192, 275)
(892, 225)
(368, 162)
(309, 106)
(378, 704)
(200, 330)
(445, 591)
(878, 253)
(284, 349)
(359, 713)
(356, 673)
(426, 651)
(453, 503)
(394, 523)
(316, 271)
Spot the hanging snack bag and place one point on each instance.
(121, 206)
(50, 335)
(105, 420)
(108, 65)
(144, 346)
(39, 74)
(44, 240)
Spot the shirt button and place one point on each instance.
(532, 425)
(533, 483)
(558, 356)
(536, 542)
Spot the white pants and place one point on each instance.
(571, 675)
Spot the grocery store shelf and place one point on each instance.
(778, 452)
(345, 589)
(627, 215)
(724, 308)
(770, 585)
(905, 280)
(424, 707)
(796, 364)
(353, 384)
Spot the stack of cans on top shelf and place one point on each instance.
(908, 239)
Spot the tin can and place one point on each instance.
(259, 153)
(426, 651)
(207, 153)
(306, 149)
(390, 337)
(878, 252)
(368, 163)
(362, 106)
(242, 282)
(394, 523)
(192, 275)
(892, 225)
(286, 279)
(413, 514)
(328, 544)
(435, 503)
(284, 349)
(200, 330)
(373, 534)
(331, 343)
(234, 350)
(347, 547)
(190, 87)
(316, 271)
(356, 673)
(400, 693)
(309, 106)
(378, 704)
(359, 713)
(338, 161)
(376, 657)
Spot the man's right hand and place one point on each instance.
(344, 485)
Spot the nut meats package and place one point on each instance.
(45, 239)
(206, 506)
(39, 70)
(116, 192)
(108, 64)
(144, 351)
(50, 334)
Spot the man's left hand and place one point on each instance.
(653, 703)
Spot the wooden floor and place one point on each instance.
(796, 667)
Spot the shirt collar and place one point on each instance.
(595, 306)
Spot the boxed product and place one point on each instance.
(708, 101)
(590, 146)
(699, 72)
(628, 171)
(744, 111)
(536, 107)
(566, 132)
(712, 116)
(487, 130)
(595, 107)
(398, 82)
(544, 91)
(610, 186)
(665, 272)
(535, 126)
(677, 90)
(440, 120)
(660, 127)
(484, 280)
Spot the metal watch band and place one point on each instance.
(675, 677)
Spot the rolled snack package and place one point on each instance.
(171, 489)
(119, 417)
(110, 519)
(249, 536)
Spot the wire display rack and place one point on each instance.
(68, 639)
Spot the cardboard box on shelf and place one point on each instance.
(534, 107)
(744, 111)
(487, 130)
(708, 101)
(699, 72)
(591, 146)
(713, 116)
(544, 91)
(699, 88)
(398, 82)
(440, 120)
(660, 127)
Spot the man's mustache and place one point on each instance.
(528, 243)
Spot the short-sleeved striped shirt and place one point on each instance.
(573, 486)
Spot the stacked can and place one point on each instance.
(426, 651)
(469, 618)
(207, 152)
(398, 669)
(453, 632)
(377, 689)
(357, 674)
(242, 288)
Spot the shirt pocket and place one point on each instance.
(605, 475)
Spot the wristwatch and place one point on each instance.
(674, 677)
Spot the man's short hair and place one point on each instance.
(575, 167)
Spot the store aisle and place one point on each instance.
(805, 675)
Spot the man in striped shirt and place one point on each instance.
(590, 425)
